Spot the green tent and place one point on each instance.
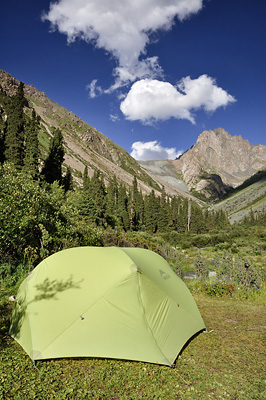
(109, 302)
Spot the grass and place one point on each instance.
(228, 362)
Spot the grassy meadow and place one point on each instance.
(227, 362)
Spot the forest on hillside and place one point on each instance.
(43, 209)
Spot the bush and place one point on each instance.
(202, 268)
(218, 288)
(24, 207)
(239, 270)
(36, 220)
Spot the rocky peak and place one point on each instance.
(216, 152)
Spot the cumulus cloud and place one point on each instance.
(122, 28)
(150, 100)
(153, 151)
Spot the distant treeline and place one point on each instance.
(114, 205)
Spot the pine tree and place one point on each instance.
(170, 226)
(52, 169)
(31, 161)
(14, 137)
(98, 192)
(68, 180)
(197, 219)
(140, 210)
(163, 216)
(152, 206)
(122, 209)
(87, 207)
(134, 205)
(125, 220)
(112, 197)
(175, 212)
(182, 221)
(86, 179)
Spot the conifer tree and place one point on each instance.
(152, 205)
(175, 212)
(182, 216)
(68, 180)
(122, 202)
(125, 220)
(170, 226)
(86, 179)
(134, 205)
(112, 197)
(87, 207)
(31, 161)
(52, 169)
(163, 216)
(197, 222)
(207, 219)
(98, 192)
(14, 137)
(140, 210)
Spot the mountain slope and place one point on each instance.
(217, 163)
(84, 145)
(250, 196)
(212, 167)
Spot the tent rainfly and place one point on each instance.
(109, 302)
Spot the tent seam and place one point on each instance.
(146, 321)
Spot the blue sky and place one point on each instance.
(152, 74)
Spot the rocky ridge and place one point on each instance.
(216, 163)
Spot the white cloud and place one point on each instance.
(123, 28)
(94, 89)
(114, 117)
(153, 151)
(152, 100)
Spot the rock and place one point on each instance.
(216, 163)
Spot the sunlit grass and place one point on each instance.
(228, 362)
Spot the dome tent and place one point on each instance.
(108, 302)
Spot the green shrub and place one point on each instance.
(202, 268)
(5, 270)
(218, 288)
(36, 220)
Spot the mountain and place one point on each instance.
(213, 167)
(84, 145)
(217, 163)
(250, 197)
